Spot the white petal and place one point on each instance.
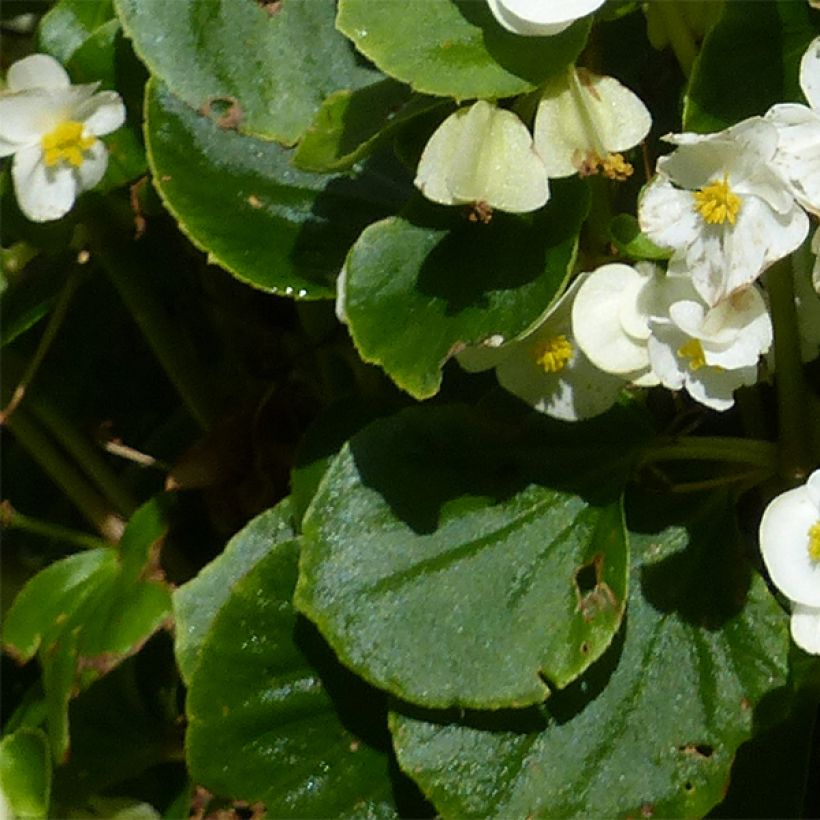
(42, 193)
(36, 71)
(662, 344)
(715, 388)
(798, 155)
(537, 18)
(810, 74)
(102, 114)
(667, 215)
(95, 161)
(24, 118)
(805, 628)
(581, 113)
(784, 540)
(608, 293)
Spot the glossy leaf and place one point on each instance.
(351, 123)
(652, 728)
(84, 614)
(272, 717)
(197, 602)
(774, 33)
(275, 62)
(626, 236)
(455, 559)
(69, 24)
(455, 48)
(25, 774)
(228, 190)
(450, 282)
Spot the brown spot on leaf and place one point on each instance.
(647, 810)
(254, 201)
(593, 593)
(225, 110)
(698, 750)
(270, 7)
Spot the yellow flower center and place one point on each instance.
(716, 203)
(615, 166)
(66, 143)
(693, 351)
(814, 541)
(554, 353)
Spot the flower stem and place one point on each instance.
(14, 520)
(762, 454)
(66, 476)
(680, 37)
(795, 453)
(171, 347)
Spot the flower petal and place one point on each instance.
(805, 628)
(95, 161)
(810, 74)
(42, 193)
(25, 117)
(784, 541)
(536, 18)
(667, 215)
(102, 113)
(36, 71)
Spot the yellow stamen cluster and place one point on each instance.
(693, 351)
(554, 354)
(716, 202)
(814, 541)
(66, 143)
(613, 166)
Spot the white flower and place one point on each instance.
(790, 545)
(815, 249)
(483, 155)
(540, 18)
(547, 369)
(583, 120)
(807, 305)
(709, 351)
(610, 318)
(798, 148)
(719, 205)
(51, 128)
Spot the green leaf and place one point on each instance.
(761, 43)
(66, 26)
(457, 559)
(625, 233)
(455, 282)
(653, 727)
(273, 717)
(197, 602)
(227, 190)
(275, 62)
(350, 124)
(85, 614)
(25, 774)
(455, 48)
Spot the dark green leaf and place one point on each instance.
(421, 287)
(455, 558)
(626, 235)
(652, 728)
(69, 24)
(274, 62)
(197, 603)
(351, 123)
(273, 717)
(455, 48)
(238, 198)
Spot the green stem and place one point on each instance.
(680, 37)
(762, 454)
(54, 323)
(84, 497)
(14, 520)
(170, 346)
(794, 429)
(87, 456)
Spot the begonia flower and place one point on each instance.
(721, 207)
(709, 351)
(790, 545)
(483, 155)
(611, 314)
(540, 18)
(584, 120)
(547, 369)
(52, 128)
(798, 126)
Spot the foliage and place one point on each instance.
(273, 540)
